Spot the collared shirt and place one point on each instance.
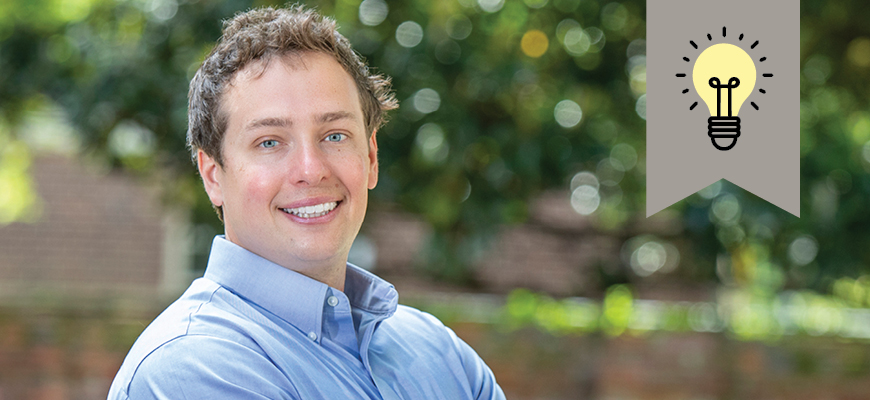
(251, 329)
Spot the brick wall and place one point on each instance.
(98, 232)
(71, 352)
(667, 366)
(62, 353)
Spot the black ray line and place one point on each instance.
(755, 106)
(741, 37)
(686, 59)
(685, 91)
(692, 107)
(693, 44)
(762, 59)
(753, 45)
(762, 91)
(710, 38)
(723, 31)
(767, 75)
(681, 75)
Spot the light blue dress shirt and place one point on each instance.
(251, 329)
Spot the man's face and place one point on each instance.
(297, 162)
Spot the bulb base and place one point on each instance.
(723, 128)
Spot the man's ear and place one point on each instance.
(373, 160)
(210, 171)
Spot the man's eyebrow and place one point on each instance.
(334, 116)
(268, 122)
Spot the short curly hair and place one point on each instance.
(262, 34)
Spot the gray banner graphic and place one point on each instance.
(682, 157)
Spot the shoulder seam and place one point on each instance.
(190, 316)
(167, 341)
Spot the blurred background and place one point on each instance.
(510, 204)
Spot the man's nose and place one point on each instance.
(311, 164)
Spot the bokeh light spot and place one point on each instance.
(162, 10)
(536, 3)
(568, 113)
(614, 16)
(490, 6)
(640, 107)
(576, 41)
(373, 12)
(584, 178)
(409, 34)
(625, 154)
(458, 27)
(711, 191)
(563, 27)
(860, 122)
(817, 69)
(534, 43)
(129, 139)
(610, 171)
(430, 141)
(726, 208)
(448, 52)
(426, 101)
(648, 258)
(858, 52)
(585, 199)
(803, 250)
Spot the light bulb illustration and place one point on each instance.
(724, 76)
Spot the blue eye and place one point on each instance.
(335, 137)
(269, 143)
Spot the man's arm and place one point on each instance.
(480, 376)
(204, 367)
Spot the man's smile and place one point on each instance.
(314, 211)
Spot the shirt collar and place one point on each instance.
(288, 294)
(368, 292)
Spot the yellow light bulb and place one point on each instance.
(724, 77)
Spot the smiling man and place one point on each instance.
(283, 118)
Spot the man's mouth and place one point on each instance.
(315, 211)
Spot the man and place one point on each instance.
(283, 118)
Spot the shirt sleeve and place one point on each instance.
(480, 377)
(204, 367)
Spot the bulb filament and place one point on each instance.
(716, 84)
(723, 127)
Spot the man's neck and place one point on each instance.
(333, 276)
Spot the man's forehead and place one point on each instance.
(291, 62)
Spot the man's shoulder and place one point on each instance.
(201, 366)
(176, 320)
(420, 328)
(411, 318)
(204, 327)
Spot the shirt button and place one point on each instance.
(332, 301)
(312, 335)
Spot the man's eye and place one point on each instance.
(335, 137)
(269, 143)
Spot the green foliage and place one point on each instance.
(18, 199)
(740, 314)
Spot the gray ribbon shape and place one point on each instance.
(685, 147)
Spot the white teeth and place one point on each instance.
(312, 211)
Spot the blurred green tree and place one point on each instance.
(500, 100)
